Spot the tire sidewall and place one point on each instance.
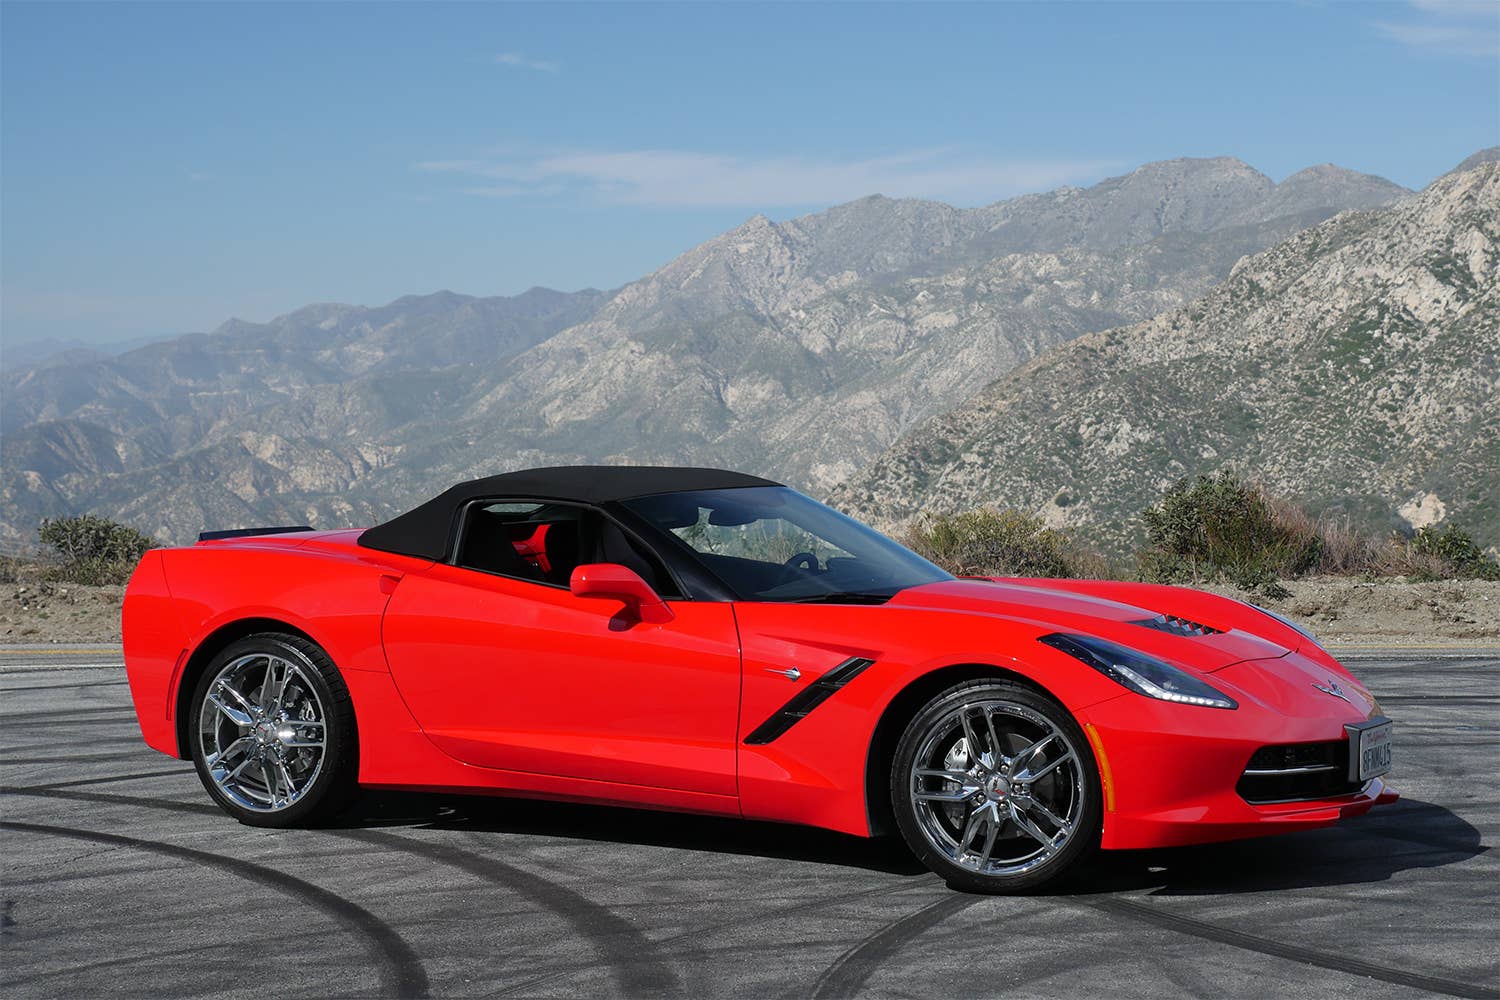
(335, 779)
(1090, 822)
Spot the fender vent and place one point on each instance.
(1178, 626)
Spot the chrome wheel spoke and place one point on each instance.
(985, 821)
(1029, 775)
(232, 714)
(243, 767)
(1062, 825)
(274, 688)
(1024, 757)
(997, 759)
(269, 775)
(1024, 823)
(972, 828)
(241, 745)
(286, 778)
(970, 737)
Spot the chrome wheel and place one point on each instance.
(997, 788)
(263, 732)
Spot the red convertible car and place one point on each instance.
(706, 641)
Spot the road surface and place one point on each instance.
(121, 879)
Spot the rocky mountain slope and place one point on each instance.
(1356, 365)
(800, 349)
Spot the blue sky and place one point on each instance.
(166, 167)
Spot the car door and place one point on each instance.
(505, 671)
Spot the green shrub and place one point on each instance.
(94, 550)
(995, 542)
(1461, 556)
(1220, 526)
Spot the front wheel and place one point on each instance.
(273, 732)
(995, 787)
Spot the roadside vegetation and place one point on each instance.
(1209, 529)
(992, 541)
(85, 549)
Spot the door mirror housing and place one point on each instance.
(612, 581)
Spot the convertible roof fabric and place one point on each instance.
(427, 531)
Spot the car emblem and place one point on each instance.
(1332, 687)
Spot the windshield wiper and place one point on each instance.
(839, 597)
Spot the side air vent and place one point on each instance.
(1178, 626)
(808, 699)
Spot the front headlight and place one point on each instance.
(1288, 623)
(1139, 673)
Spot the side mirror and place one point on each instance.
(620, 583)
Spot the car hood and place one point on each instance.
(1053, 610)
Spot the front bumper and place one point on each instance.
(1169, 771)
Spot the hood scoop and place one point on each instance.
(1178, 626)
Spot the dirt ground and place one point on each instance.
(1339, 611)
(1345, 611)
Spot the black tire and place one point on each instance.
(333, 782)
(925, 826)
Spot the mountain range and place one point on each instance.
(801, 349)
(1355, 366)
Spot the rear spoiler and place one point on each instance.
(210, 536)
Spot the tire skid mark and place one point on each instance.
(63, 687)
(94, 741)
(846, 977)
(641, 968)
(1159, 917)
(136, 776)
(139, 958)
(399, 969)
(638, 965)
(51, 714)
(7, 759)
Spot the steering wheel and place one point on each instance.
(805, 561)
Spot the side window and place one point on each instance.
(544, 542)
(522, 539)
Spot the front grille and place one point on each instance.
(1293, 771)
(1178, 626)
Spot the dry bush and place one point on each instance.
(992, 541)
(1220, 526)
(93, 550)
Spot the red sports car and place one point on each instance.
(706, 641)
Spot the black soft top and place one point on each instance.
(426, 531)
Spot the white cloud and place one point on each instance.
(687, 178)
(1448, 27)
(517, 60)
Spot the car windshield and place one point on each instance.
(770, 543)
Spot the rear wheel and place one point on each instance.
(273, 732)
(995, 788)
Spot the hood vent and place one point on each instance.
(1178, 626)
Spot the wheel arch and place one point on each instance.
(211, 646)
(899, 711)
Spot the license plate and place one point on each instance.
(1369, 749)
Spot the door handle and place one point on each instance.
(790, 673)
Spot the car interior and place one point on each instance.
(544, 542)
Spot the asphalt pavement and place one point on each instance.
(120, 878)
